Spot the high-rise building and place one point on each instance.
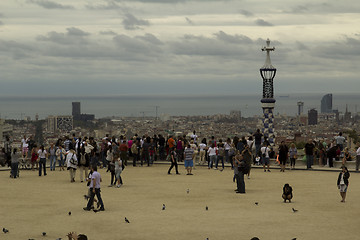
(267, 73)
(76, 111)
(300, 107)
(326, 103)
(60, 124)
(312, 117)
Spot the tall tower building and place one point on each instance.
(312, 117)
(267, 73)
(300, 107)
(76, 111)
(326, 103)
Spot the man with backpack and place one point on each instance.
(265, 156)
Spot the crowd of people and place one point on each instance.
(81, 153)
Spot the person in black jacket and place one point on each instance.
(343, 182)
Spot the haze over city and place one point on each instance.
(113, 47)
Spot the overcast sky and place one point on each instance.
(114, 47)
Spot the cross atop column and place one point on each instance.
(268, 49)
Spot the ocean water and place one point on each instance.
(174, 105)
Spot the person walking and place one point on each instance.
(95, 189)
(42, 153)
(258, 137)
(347, 156)
(52, 157)
(118, 170)
(283, 155)
(239, 163)
(172, 156)
(343, 182)
(84, 163)
(265, 158)
(212, 151)
(71, 163)
(358, 157)
(293, 155)
(202, 151)
(309, 152)
(188, 159)
(14, 164)
(60, 155)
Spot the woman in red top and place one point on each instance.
(34, 157)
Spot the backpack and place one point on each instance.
(243, 167)
(82, 159)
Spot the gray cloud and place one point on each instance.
(72, 36)
(130, 22)
(50, 4)
(111, 33)
(151, 39)
(109, 5)
(261, 22)
(1, 23)
(246, 13)
(189, 21)
(346, 49)
(236, 39)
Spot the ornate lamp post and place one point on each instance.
(267, 73)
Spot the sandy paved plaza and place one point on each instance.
(31, 205)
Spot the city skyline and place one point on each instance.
(115, 47)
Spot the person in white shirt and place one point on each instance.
(71, 163)
(24, 146)
(265, 157)
(60, 155)
(42, 162)
(202, 148)
(212, 151)
(194, 137)
(358, 157)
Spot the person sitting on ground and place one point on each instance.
(75, 236)
(287, 193)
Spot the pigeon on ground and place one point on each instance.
(188, 190)
(256, 203)
(163, 207)
(206, 208)
(44, 233)
(69, 213)
(127, 220)
(294, 210)
(5, 230)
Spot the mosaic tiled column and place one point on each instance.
(268, 121)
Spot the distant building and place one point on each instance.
(235, 114)
(300, 107)
(76, 113)
(57, 124)
(5, 129)
(326, 103)
(347, 115)
(76, 109)
(312, 117)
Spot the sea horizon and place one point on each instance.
(137, 105)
